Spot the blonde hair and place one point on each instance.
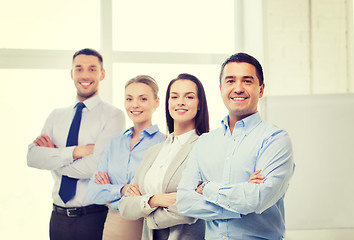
(146, 80)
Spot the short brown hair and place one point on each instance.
(89, 52)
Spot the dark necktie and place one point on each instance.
(68, 185)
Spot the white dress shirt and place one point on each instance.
(100, 122)
(155, 175)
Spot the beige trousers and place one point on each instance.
(116, 227)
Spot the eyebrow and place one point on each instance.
(186, 93)
(233, 77)
(91, 66)
(141, 95)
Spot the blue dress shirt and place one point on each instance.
(232, 207)
(121, 164)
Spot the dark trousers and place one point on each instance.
(85, 227)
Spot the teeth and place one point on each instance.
(85, 83)
(181, 110)
(238, 98)
(134, 112)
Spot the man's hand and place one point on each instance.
(83, 151)
(256, 177)
(44, 141)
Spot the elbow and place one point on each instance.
(31, 163)
(34, 159)
(128, 210)
(123, 209)
(31, 157)
(185, 211)
(181, 208)
(181, 204)
(90, 194)
(93, 193)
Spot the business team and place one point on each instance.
(228, 183)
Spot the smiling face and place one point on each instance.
(240, 90)
(86, 72)
(140, 103)
(183, 103)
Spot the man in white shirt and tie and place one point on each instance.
(70, 146)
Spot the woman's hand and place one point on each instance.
(162, 200)
(102, 178)
(256, 177)
(131, 190)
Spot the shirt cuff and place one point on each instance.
(115, 191)
(211, 191)
(144, 204)
(66, 155)
(114, 205)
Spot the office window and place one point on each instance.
(32, 88)
(49, 24)
(199, 26)
(27, 97)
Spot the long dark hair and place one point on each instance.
(202, 117)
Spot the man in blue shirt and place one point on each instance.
(215, 184)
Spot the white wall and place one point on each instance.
(308, 47)
(320, 127)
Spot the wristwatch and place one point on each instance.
(203, 185)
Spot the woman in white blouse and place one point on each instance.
(152, 193)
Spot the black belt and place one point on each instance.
(79, 211)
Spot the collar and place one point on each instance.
(181, 139)
(249, 123)
(91, 102)
(151, 130)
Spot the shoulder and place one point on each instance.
(155, 148)
(267, 133)
(213, 135)
(109, 108)
(59, 112)
(269, 130)
(117, 139)
(208, 141)
(160, 136)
